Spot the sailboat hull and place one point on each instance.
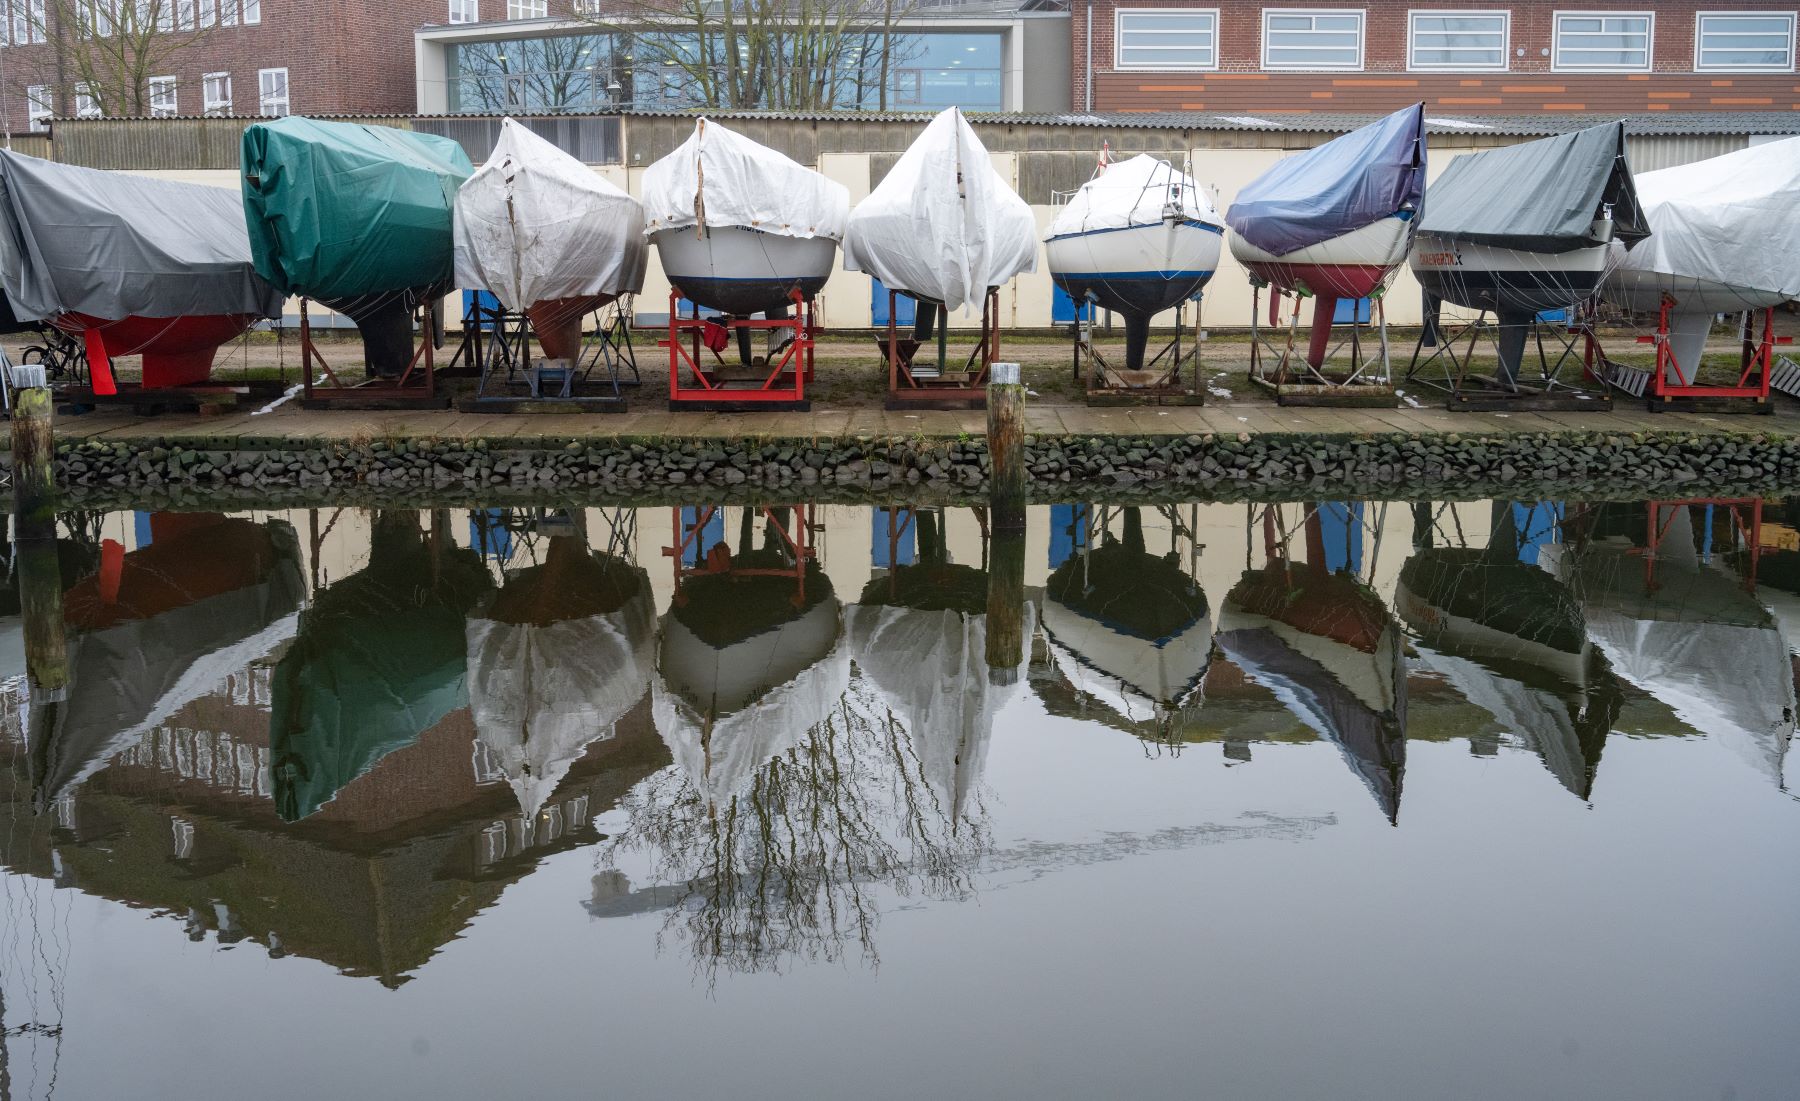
(742, 271)
(1137, 271)
(1350, 265)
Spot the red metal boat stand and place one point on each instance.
(1746, 520)
(794, 524)
(1671, 387)
(699, 382)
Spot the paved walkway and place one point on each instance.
(291, 422)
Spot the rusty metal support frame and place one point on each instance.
(797, 535)
(1089, 362)
(906, 390)
(1456, 349)
(692, 383)
(1275, 364)
(400, 391)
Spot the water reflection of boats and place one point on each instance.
(1321, 639)
(1129, 628)
(750, 657)
(159, 626)
(1674, 623)
(919, 633)
(1512, 640)
(556, 657)
(379, 659)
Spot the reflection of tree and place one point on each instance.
(553, 73)
(785, 870)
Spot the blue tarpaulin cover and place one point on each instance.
(1345, 184)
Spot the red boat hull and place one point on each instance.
(557, 323)
(176, 351)
(1336, 280)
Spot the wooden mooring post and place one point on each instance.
(1006, 447)
(34, 518)
(1006, 523)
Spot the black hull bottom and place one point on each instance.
(386, 324)
(1143, 296)
(1510, 291)
(742, 297)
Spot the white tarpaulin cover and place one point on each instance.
(1729, 219)
(721, 178)
(534, 224)
(931, 669)
(1134, 192)
(943, 225)
(540, 695)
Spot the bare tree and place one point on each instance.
(783, 55)
(111, 48)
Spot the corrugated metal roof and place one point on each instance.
(1440, 122)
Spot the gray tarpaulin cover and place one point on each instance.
(1541, 196)
(1343, 185)
(81, 240)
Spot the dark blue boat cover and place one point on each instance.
(1345, 184)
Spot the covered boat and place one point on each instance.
(739, 226)
(1139, 238)
(1327, 647)
(1723, 240)
(557, 657)
(357, 218)
(1336, 221)
(161, 626)
(1130, 629)
(379, 658)
(128, 265)
(942, 227)
(1511, 638)
(548, 236)
(744, 673)
(1692, 636)
(919, 634)
(1528, 228)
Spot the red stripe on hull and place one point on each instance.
(177, 351)
(1336, 280)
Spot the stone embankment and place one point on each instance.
(1201, 465)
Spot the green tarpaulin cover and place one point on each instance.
(338, 209)
(379, 660)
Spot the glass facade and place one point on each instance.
(602, 71)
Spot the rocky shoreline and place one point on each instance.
(1217, 466)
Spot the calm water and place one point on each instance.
(1332, 800)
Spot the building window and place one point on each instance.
(162, 97)
(272, 92)
(1165, 38)
(1464, 41)
(1312, 38)
(1744, 41)
(87, 101)
(209, 13)
(39, 107)
(36, 20)
(527, 9)
(235, 12)
(465, 11)
(1603, 41)
(215, 93)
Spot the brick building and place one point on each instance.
(1461, 56)
(244, 57)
